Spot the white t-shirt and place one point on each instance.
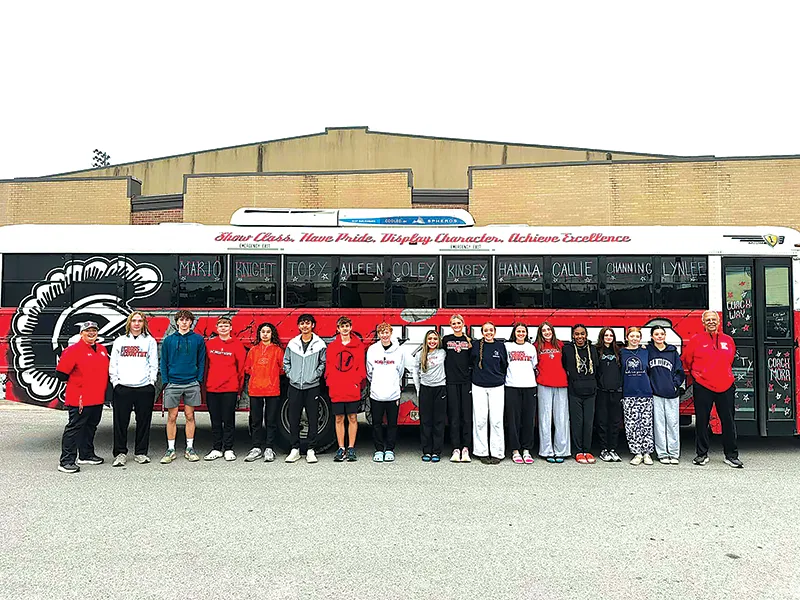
(522, 361)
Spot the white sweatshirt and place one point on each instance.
(385, 368)
(435, 375)
(134, 361)
(522, 361)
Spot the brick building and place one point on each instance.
(355, 167)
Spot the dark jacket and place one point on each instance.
(666, 371)
(490, 369)
(581, 367)
(635, 381)
(609, 371)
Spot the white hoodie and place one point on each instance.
(385, 368)
(134, 361)
(522, 361)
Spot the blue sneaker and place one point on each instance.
(388, 456)
(377, 457)
(339, 455)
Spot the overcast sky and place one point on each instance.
(147, 79)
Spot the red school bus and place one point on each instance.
(413, 269)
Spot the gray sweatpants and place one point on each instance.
(553, 409)
(666, 429)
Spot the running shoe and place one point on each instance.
(169, 456)
(141, 459)
(254, 454)
(701, 461)
(339, 456)
(120, 460)
(351, 455)
(69, 468)
(91, 460)
(734, 462)
(191, 455)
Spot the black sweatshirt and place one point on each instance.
(609, 371)
(581, 369)
(457, 364)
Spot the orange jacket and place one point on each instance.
(264, 364)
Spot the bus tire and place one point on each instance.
(326, 433)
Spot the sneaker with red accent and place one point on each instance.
(590, 458)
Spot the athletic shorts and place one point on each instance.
(190, 393)
(345, 408)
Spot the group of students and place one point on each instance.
(485, 389)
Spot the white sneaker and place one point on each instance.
(254, 454)
(269, 455)
(294, 455)
(648, 460)
(637, 460)
(120, 460)
(674, 461)
(213, 455)
(465, 455)
(311, 457)
(456, 456)
(142, 459)
(229, 455)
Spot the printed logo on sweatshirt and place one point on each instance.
(132, 352)
(385, 361)
(345, 361)
(221, 352)
(457, 346)
(515, 355)
(633, 365)
(661, 362)
(550, 352)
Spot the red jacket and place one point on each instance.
(551, 371)
(264, 364)
(345, 369)
(709, 358)
(88, 374)
(224, 365)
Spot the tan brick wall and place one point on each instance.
(436, 162)
(212, 200)
(725, 192)
(154, 217)
(100, 201)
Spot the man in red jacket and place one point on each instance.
(709, 357)
(345, 373)
(84, 366)
(225, 359)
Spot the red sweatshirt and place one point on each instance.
(551, 371)
(345, 369)
(88, 374)
(264, 365)
(709, 358)
(224, 365)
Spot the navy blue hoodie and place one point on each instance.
(491, 370)
(635, 382)
(666, 370)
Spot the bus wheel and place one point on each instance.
(326, 433)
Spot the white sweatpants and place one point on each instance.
(487, 411)
(666, 427)
(553, 409)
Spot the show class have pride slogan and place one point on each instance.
(416, 238)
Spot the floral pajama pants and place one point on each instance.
(639, 424)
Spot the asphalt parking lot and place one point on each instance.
(402, 530)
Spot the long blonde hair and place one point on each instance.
(423, 358)
(464, 331)
(145, 330)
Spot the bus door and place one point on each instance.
(758, 315)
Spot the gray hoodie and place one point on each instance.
(304, 369)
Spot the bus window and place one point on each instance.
(574, 280)
(361, 282)
(628, 281)
(155, 283)
(254, 280)
(520, 282)
(414, 282)
(201, 281)
(21, 272)
(466, 282)
(684, 282)
(309, 282)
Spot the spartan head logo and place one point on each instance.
(771, 239)
(40, 330)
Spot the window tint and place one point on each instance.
(201, 281)
(684, 282)
(575, 282)
(414, 282)
(361, 282)
(520, 282)
(255, 280)
(466, 282)
(628, 281)
(309, 282)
